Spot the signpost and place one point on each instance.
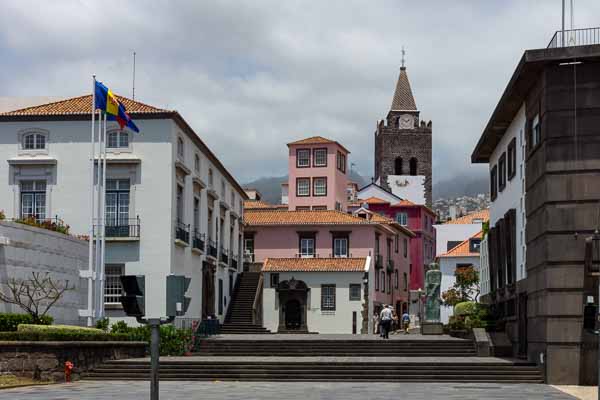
(133, 301)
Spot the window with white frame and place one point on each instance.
(117, 140)
(223, 189)
(320, 186)
(34, 141)
(340, 247)
(117, 202)
(402, 218)
(33, 199)
(180, 148)
(112, 284)
(303, 187)
(307, 246)
(197, 163)
(320, 158)
(210, 177)
(536, 132)
(303, 158)
(328, 297)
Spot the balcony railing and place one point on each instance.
(575, 37)
(212, 248)
(224, 258)
(378, 261)
(305, 255)
(182, 232)
(199, 240)
(347, 255)
(120, 228)
(390, 265)
(234, 261)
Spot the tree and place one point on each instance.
(36, 295)
(465, 288)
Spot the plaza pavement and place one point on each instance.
(123, 390)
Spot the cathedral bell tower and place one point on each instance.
(403, 147)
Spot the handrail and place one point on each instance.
(259, 289)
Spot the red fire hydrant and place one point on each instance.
(68, 368)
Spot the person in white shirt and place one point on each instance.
(386, 321)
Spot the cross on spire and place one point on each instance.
(403, 53)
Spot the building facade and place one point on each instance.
(549, 111)
(465, 254)
(403, 148)
(453, 232)
(171, 206)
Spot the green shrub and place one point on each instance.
(57, 328)
(173, 341)
(103, 324)
(465, 308)
(62, 336)
(9, 321)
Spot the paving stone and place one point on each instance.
(93, 390)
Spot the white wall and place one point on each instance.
(375, 191)
(448, 267)
(445, 233)
(27, 249)
(484, 266)
(513, 195)
(339, 321)
(407, 187)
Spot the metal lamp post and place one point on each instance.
(420, 294)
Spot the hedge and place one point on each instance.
(62, 336)
(9, 321)
(57, 328)
(465, 308)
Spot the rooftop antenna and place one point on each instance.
(403, 54)
(133, 90)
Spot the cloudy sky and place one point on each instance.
(250, 76)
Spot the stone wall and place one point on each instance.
(25, 249)
(391, 142)
(46, 360)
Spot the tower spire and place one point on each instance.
(403, 98)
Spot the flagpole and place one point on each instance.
(91, 231)
(98, 214)
(103, 246)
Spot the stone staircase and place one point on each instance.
(239, 317)
(320, 360)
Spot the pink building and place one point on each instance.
(317, 175)
(419, 219)
(323, 269)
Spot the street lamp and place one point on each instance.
(419, 294)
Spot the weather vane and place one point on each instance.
(403, 53)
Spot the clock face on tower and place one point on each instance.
(406, 121)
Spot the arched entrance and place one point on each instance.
(293, 297)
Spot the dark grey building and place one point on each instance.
(556, 93)
(403, 146)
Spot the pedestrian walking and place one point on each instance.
(375, 323)
(394, 321)
(405, 322)
(386, 321)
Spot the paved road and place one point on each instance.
(120, 390)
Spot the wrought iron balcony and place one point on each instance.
(120, 228)
(378, 261)
(182, 232)
(234, 261)
(199, 240)
(575, 37)
(306, 255)
(390, 265)
(224, 257)
(212, 248)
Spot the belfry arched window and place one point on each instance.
(413, 166)
(398, 166)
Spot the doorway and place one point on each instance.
(293, 319)
(293, 296)
(522, 325)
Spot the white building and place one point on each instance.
(507, 209)
(171, 206)
(450, 234)
(465, 254)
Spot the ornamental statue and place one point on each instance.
(433, 280)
